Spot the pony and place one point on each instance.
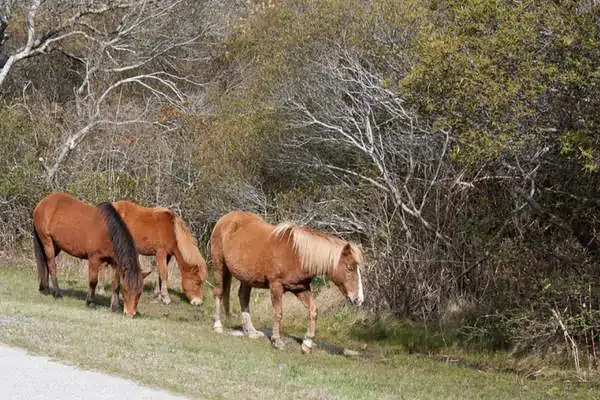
(64, 223)
(159, 232)
(280, 258)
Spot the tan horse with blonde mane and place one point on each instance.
(159, 232)
(281, 258)
(98, 234)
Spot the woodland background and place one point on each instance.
(457, 141)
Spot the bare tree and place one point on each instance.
(43, 31)
(348, 107)
(131, 47)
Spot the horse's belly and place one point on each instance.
(249, 274)
(82, 244)
(73, 248)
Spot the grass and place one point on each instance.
(173, 347)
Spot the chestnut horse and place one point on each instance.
(98, 234)
(161, 233)
(281, 258)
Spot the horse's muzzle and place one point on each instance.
(357, 301)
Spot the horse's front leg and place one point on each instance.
(163, 277)
(103, 277)
(307, 299)
(276, 297)
(116, 286)
(247, 326)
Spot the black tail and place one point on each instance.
(123, 245)
(41, 261)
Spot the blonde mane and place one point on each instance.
(319, 254)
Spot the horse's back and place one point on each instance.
(251, 252)
(58, 205)
(151, 228)
(75, 226)
(242, 223)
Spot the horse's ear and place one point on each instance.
(145, 274)
(347, 250)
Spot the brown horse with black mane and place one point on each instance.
(161, 233)
(281, 258)
(98, 234)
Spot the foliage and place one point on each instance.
(20, 177)
(506, 75)
(455, 140)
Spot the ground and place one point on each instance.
(173, 348)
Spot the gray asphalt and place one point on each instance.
(27, 377)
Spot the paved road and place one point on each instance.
(27, 377)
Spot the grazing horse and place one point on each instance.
(98, 234)
(159, 232)
(281, 258)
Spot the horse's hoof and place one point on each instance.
(255, 334)
(91, 304)
(166, 300)
(115, 308)
(278, 343)
(217, 327)
(196, 302)
(307, 346)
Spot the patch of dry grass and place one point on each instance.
(173, 347)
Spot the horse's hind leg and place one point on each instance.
(307, 299)
(93, 266)
(51, 252)
(222, 285)
(221, 293)
(41, 261)
(244, 295)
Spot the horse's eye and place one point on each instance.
(349, 267)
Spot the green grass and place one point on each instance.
(173, 347)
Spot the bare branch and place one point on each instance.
(348, 107)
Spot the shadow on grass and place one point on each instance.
(99, 300)
(150, 288)
(295, 339)
(178, 294)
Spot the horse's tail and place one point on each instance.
(123, 245)
(41, 260)
(188, 247)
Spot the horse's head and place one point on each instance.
(346, 274)
(192, 283)
(132, 287)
